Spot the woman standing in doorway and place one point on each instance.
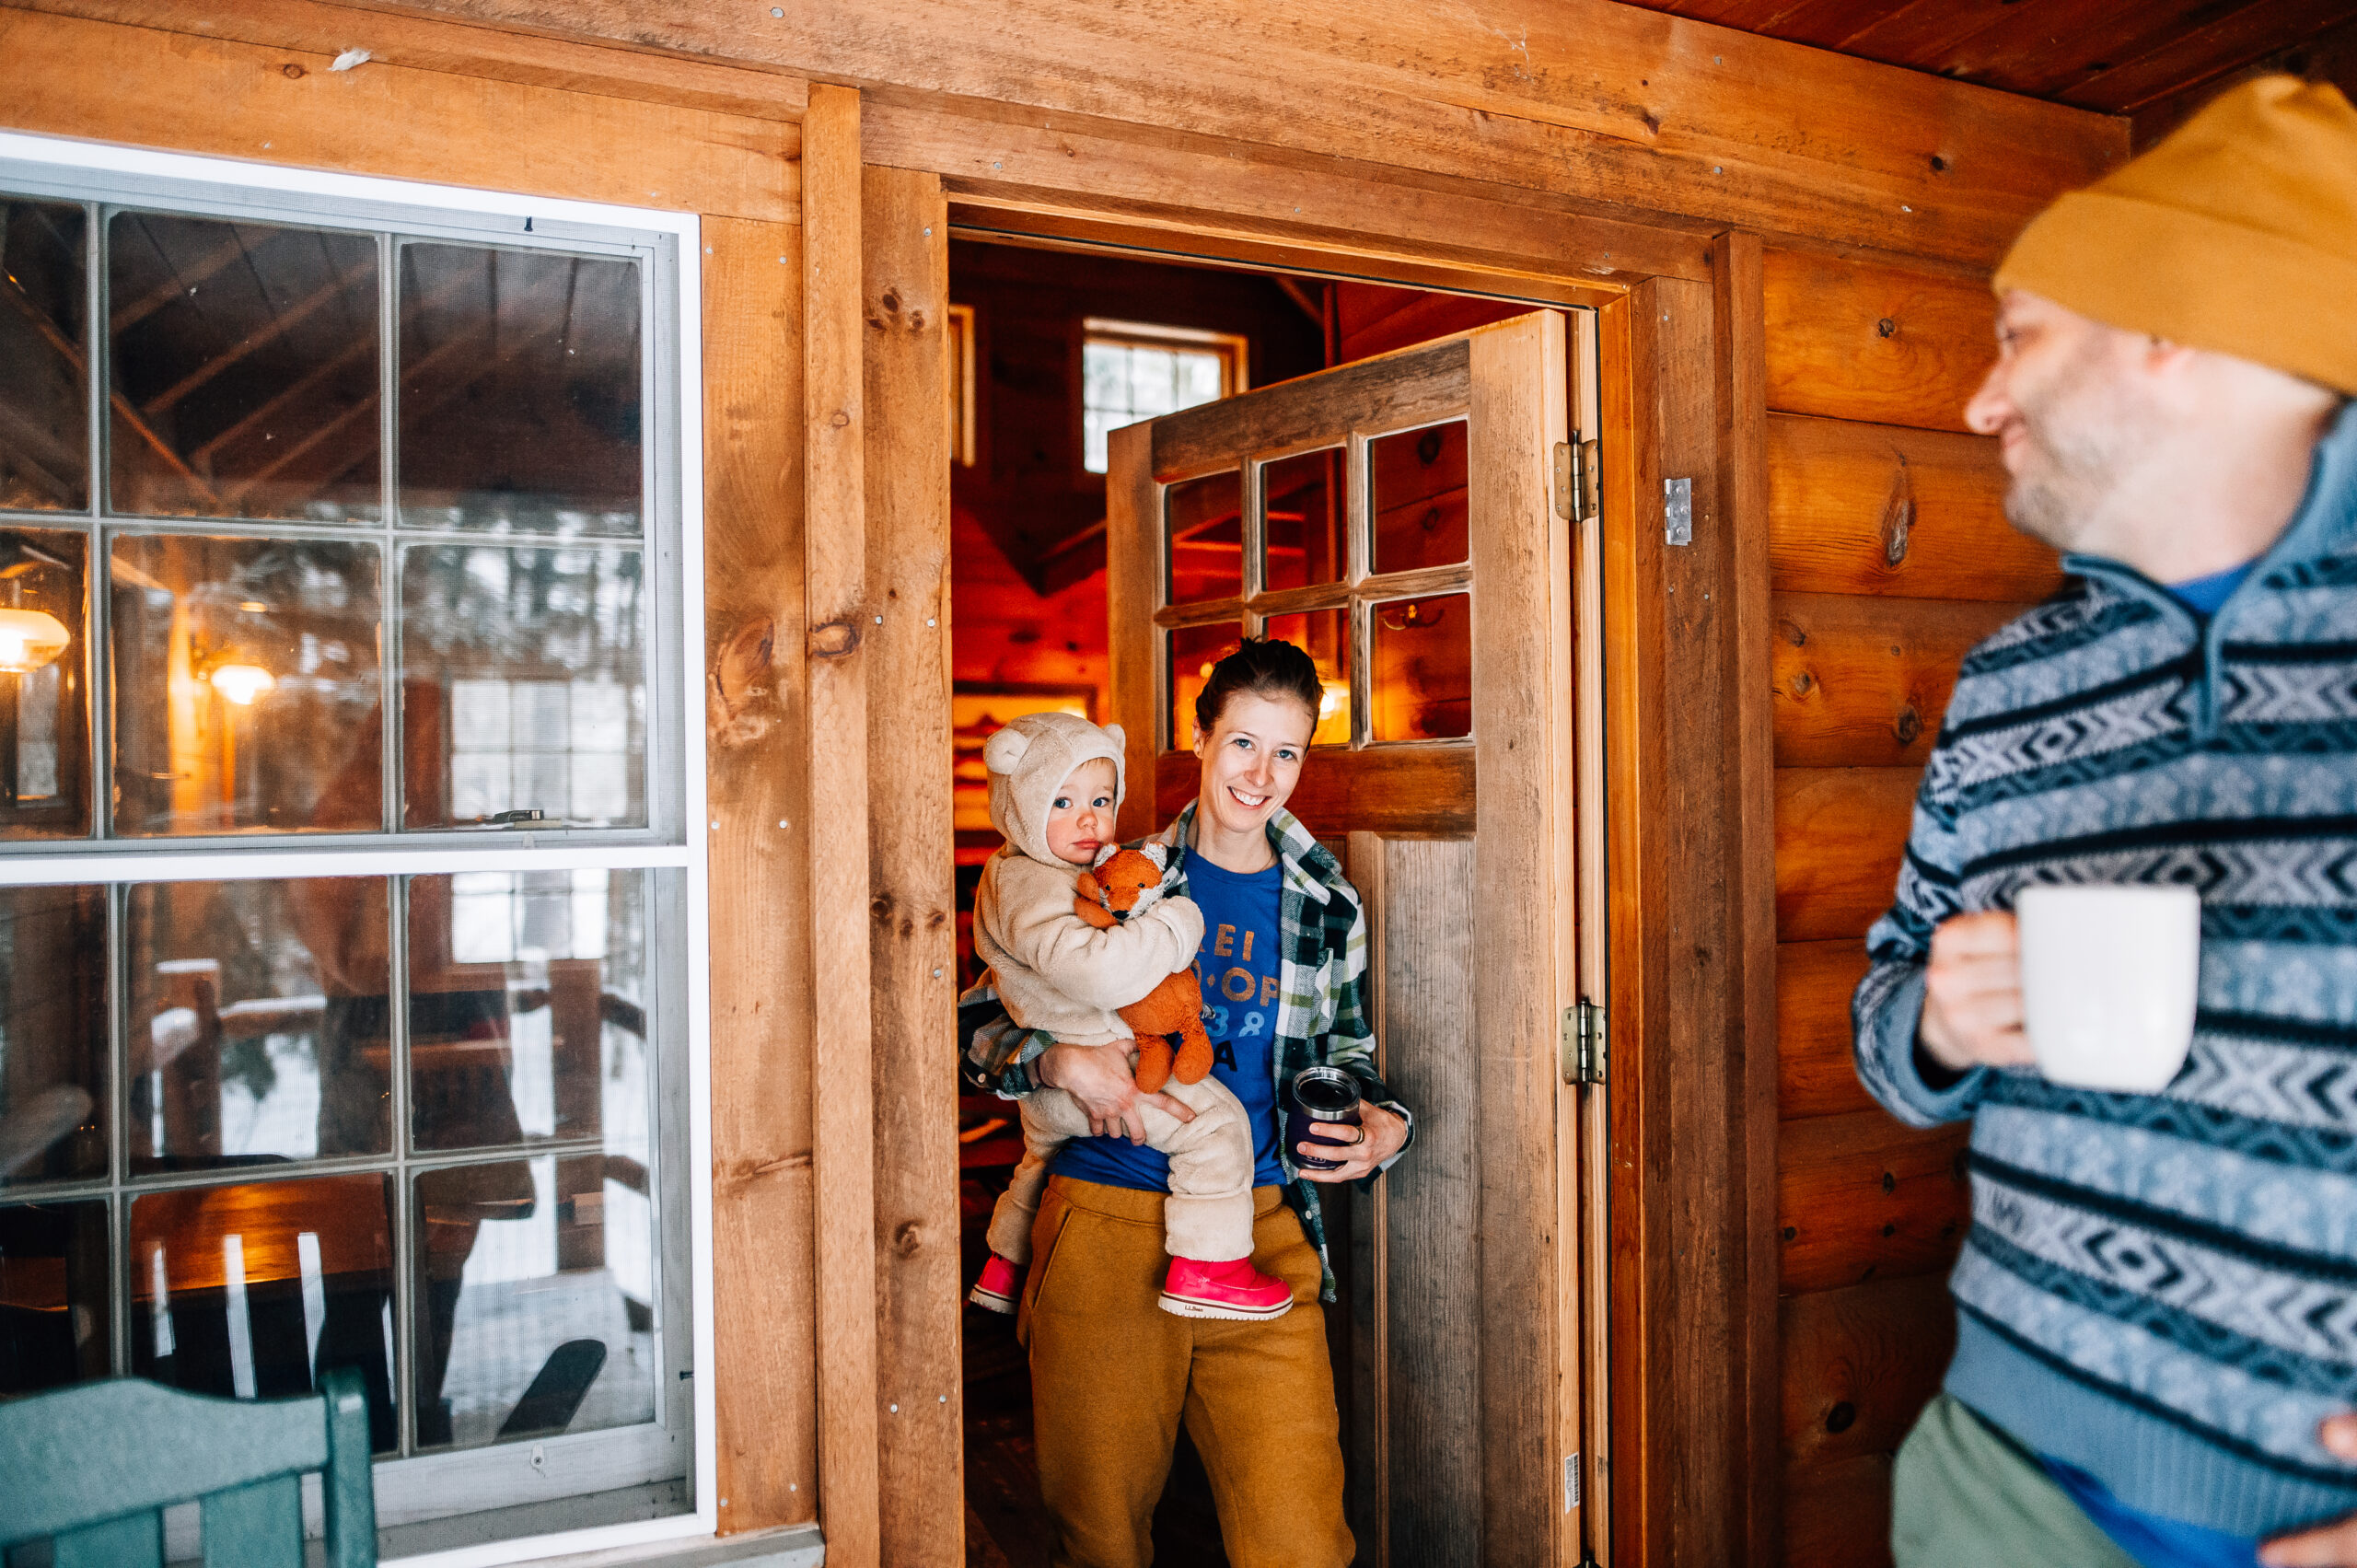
(1283, 970)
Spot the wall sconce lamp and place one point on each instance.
(241, 683)
(29, 639)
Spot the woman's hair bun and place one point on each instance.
(1265, 666)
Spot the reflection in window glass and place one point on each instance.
(1193, 651)
(54, 1321)
(520, 390)
(44, 693)
(1203, 519)
(1121, 383)
(1423, 658)
(528, 1008)
(538, 658)
(258, 1021)
(1325, 636)
(526, 1329)
(1417, 482)
(245, 361)
(44, 409)
(252, 1291)
(1302, 508)
(53, 1034)
(245, 685)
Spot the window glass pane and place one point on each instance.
(528, 1009)
(1205, 519)
(1422, 654)
(252, 1291)
(1325, 636)
(44, 396)
(1418, 485)
(1193, 651)
(53, 1034)
(247, 694)
(1303, 501)
(524, 1327)
(524, 684)
(1122, 383)
(54, 1320)
(258, 1021)
(245, 370)
(520, 390)
(44, 689)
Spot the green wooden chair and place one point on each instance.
(92, 1468)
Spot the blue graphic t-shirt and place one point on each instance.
(1238, 967)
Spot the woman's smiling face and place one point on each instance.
(1252, 759)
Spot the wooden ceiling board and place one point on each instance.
(2330, 56)
(1922, 33)
(2044, 46)
(2208, 53)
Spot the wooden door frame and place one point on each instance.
(1694, 1397)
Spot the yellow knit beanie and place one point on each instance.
(2236, 233)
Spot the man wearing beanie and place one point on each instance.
(2156, 1351)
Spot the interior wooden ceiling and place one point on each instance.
(2156, 62)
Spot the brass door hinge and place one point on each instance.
(1584, 1043)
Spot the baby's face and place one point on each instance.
(1080, 821)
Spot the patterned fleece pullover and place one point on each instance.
(2162, 1289)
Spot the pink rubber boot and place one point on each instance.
(999, 1286)
(1238, 1290)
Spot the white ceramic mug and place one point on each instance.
(2108, 982)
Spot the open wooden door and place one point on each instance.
(1409, 520)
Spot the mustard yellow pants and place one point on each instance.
(1112, 1375)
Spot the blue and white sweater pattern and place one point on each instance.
(2162, 1289)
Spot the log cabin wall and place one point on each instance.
(1889, 558)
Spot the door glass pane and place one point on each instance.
(528, 1008)
(245, 370)
(53, 1034)
(524, 685)
(1193, 650)
(44, 396)
(258, 1030)
(1205, 519)
(520, 390)
(245, 685)
(526, 1327)
(1325, 636)
(54, 1321)
(1422, 653)
(1417, 480)
(252, 1291)
(1304, 512)
(44, 689)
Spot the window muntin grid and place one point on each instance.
(625, 1180)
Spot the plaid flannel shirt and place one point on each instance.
(1321, 1003)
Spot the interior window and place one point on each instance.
(1131, 371)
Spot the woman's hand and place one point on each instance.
(1103, 1080)
(1362, 1149)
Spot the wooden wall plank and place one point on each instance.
(1864, 1197)
(904, 294)
(1815, 1072)
(67, 76)
(1861, 682)
(1839, 1517)
(840, 623)
(428, 43)
(1432, 1307)
(1740, 378)
(1886, 345)
(1881, 509)
(1860, 1363)
(1841, 833)
(764, 1367)
(1720, 126)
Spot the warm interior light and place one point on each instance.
(241, 683)
(29, 639)
(1335, 695)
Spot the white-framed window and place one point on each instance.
(351, 917)
(1135, 370)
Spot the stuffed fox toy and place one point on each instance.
(1126, 882)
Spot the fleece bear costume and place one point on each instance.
(1054, 972)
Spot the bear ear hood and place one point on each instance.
(1030, 760)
